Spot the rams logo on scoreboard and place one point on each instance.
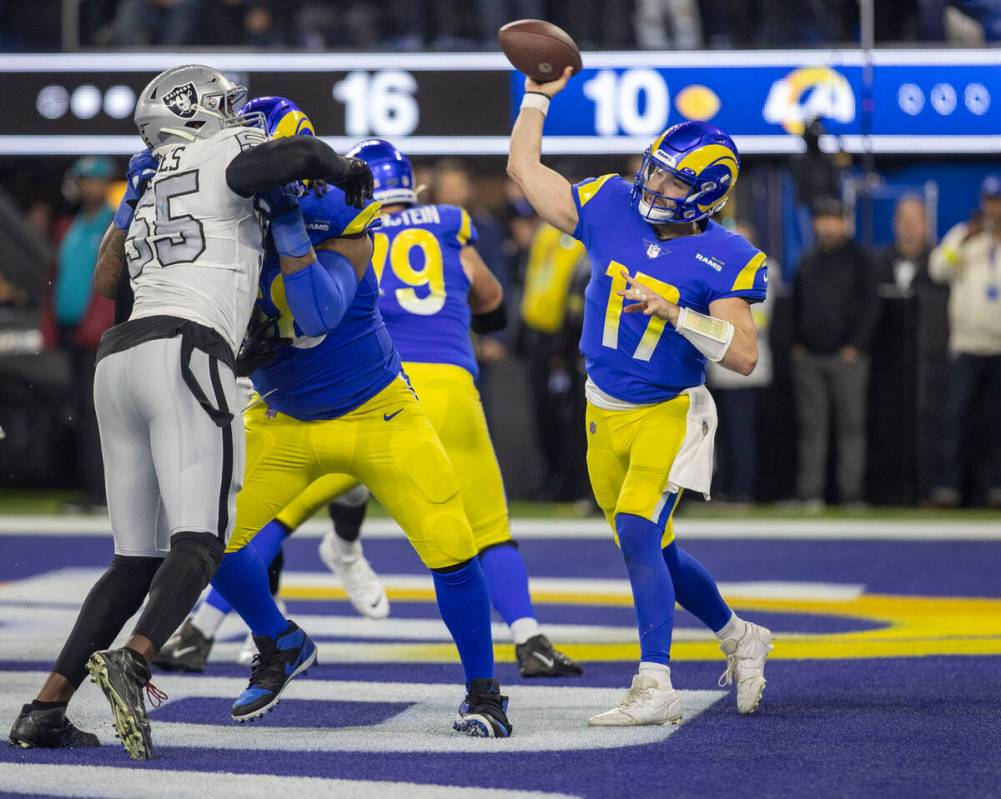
(808, 93)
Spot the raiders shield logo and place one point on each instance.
(181, 100)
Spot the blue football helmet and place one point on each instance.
(699, 155)
(279, 116)
(392, 174)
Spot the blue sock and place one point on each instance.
(267, 543)
(507, 580)
(242, 579)
(653, 591)
(464, 605)
(696, 589)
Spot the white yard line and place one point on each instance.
(689, 529)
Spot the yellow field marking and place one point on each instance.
(914, 626)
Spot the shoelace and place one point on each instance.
(726, 678)
(155, 696)
(262, 669)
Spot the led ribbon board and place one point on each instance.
(928, 101)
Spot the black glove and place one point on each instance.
(356, 183)
(260, 345)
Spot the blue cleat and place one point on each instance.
(280, 661)
(484, 713)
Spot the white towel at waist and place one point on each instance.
(693, 466)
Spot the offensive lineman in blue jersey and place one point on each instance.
(434, 287)
(336, 400)
(650, 420)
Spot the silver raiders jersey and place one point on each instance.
(195, 247)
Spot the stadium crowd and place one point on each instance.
(411, 25)
(827, 340)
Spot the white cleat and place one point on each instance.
(361, 583)
(249, 649)
(645, 704)
(745, 663)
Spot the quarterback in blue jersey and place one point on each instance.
(651, 422)
(334, 399)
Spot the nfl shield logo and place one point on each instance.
(181, 100)
(652, 250)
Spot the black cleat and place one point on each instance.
(48, 729)
(279, 661)
(538, 658)
(185, 650)
(484, 713)
(122, 675)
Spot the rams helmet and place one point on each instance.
(699, 155)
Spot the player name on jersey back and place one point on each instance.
(419, 215)
(194, 248)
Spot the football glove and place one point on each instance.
(260, 345)
(142, 168)
(357, 182)
(278, 200)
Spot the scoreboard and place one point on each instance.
(886, 101)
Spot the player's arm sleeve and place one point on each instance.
(750, 282)
(284, 160)
(584, 194)
(319, 295)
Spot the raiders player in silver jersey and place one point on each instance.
(165, 388)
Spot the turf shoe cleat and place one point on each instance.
(483, 714)
(362, 584)
(245, 656)
(121, 674)
(48, 729)
(745, 663)
(279, 661)
(185, 650)
(538, 658)
(645, 703)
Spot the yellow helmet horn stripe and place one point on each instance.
(293, 124)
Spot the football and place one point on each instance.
(539, 49)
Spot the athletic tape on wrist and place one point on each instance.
(537, 100)
(708, 334)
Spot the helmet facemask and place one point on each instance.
(658, 208)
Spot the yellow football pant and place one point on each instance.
(449, 396)
(629, 458)
(388, 444)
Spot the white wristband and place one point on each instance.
(708, 334)
(536, 100)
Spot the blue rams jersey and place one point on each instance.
(634, 357)
(425, 291)
(323, 377)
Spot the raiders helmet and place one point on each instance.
(187, 103)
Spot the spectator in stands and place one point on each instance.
(835, 308)
(737, 401)
(452, 184)
(11, 295)
(550, 328)
(492, 14)
(158, 22)
(664, 24)
(968, 260)
(80, 315)
(904, 264)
